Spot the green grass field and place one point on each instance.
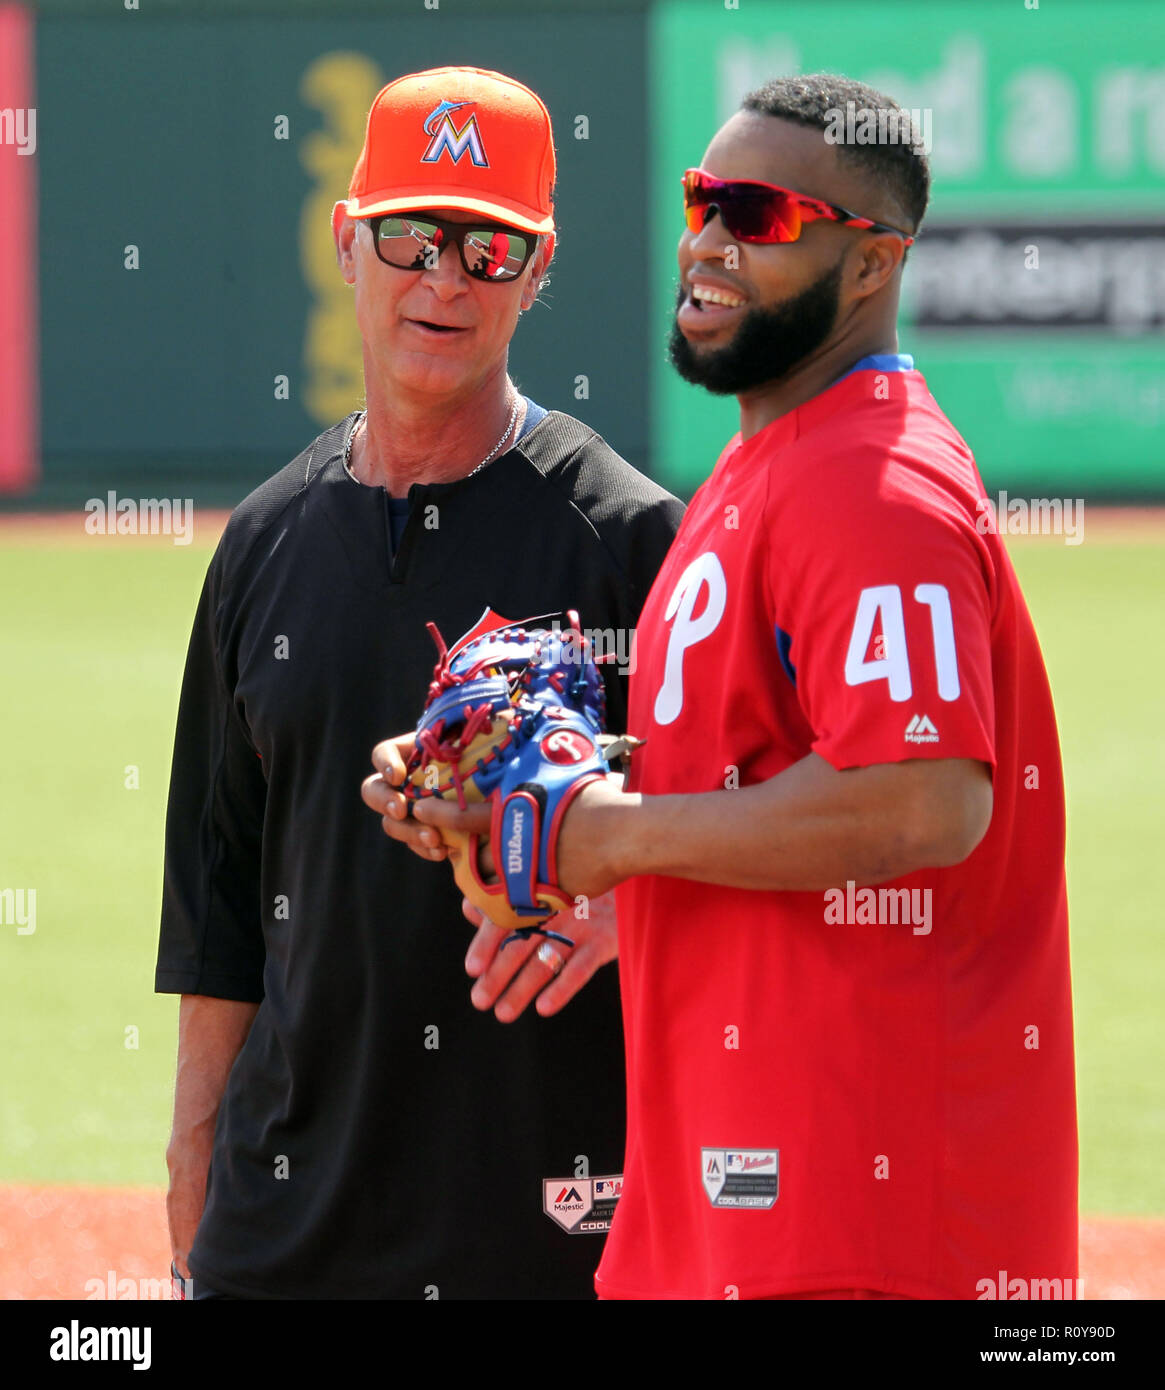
(94, 636)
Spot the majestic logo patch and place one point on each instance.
(446, 136)
(921, 730)
(582, 1206)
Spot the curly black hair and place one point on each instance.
(898, 163)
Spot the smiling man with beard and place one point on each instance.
(840, 685)
(768, 343)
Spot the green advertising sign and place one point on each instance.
(1034, 301)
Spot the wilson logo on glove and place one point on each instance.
(514, 847)
(514, 717)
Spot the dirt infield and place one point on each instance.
(62, 1242)
(82, 1242)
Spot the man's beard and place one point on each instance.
(768, 344)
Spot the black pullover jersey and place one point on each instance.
(379, 1137)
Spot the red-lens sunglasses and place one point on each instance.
(763, 212)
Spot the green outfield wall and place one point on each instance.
(194, 332)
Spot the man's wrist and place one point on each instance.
(620, 823)
(181, 1285)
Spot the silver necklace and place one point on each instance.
(488, 458)
(351, 439)
(501, 441)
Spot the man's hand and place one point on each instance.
(378, 792)
(508, 980)
(588, 843)
(582, 860)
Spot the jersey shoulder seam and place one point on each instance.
(552, 475)
(238, 563)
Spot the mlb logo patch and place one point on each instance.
(740, 1178)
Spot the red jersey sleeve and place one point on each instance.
(883, 594)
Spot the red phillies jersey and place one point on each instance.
(863, 1088)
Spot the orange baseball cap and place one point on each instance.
(462, 138)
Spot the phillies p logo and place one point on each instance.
(703, 583)
(446, 136)
(565, 746)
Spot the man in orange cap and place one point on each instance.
(474, 150)
(367, 1134)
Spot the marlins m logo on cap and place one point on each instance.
(418, 120)
(446, 136)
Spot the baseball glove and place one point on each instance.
(514, 717)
